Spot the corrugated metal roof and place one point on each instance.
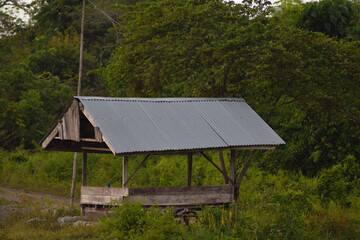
(132, 125)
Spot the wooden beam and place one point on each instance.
(137, 169)
(124, 171)
(216, 166)
(84, 168)
(98, 135)
(50, 137)
(76, 116)
(245, 168)
(189, 169)
(96, 149)
(88, 140)
(222, 164)
(72, 193)
(232, 165)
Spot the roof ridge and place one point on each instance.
(122, 99)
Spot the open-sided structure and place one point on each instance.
(153, 126)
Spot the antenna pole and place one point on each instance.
(78, 93)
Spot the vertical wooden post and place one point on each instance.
(232, 165)
(189, 169)
(223, 169)
(73, 180)
(84, 168)
(125, 171)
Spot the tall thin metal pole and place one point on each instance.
(78, 93)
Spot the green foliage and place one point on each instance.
(131, 221)
(340, 179)
(336, 18)
(192, 48)
(276, 206)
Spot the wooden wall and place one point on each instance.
(162, 196)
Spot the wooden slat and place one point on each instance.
(180, 190)
(102, 195)
(60, 129)
(164, 196)
(76, 120)
(98, 135)
(104, 191)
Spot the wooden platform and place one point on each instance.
(179, 197)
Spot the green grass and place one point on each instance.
(282, 206)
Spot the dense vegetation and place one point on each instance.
(296, 64)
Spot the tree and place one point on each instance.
(9, 22)
(336, 18)
(177, 48)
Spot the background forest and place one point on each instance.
(296, 64)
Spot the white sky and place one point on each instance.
(25, 17)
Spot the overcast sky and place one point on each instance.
(236, 1)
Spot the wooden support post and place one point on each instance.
(137, 169)
(189, 169)
(245, 168)
(222, 164)
(125, 171)
(216, 166)
(232, 165)
(84, 168)
(73, 180)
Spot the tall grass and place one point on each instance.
(270, 206)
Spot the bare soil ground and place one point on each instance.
(9, 199)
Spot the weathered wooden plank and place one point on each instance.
(76, 120)
(71, 123)
(100, 199)
(96, 149)
(165, 196)
(49, 138)
(195, 199)
(98, 135)
(180, 190)
(87, 190)
(60, 129)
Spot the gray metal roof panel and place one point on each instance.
(156, 124)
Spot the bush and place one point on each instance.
(130, 221)
(339, 181)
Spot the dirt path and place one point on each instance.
(17, 195)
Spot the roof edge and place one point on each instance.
(95, 98)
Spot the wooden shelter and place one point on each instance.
(160, 126)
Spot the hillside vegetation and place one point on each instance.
(296, 64)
